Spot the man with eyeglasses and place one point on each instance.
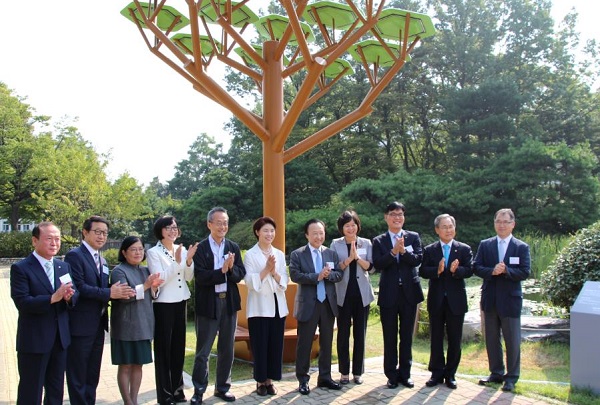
(446, 263)
(397, 255)
(89, 320)
(502, 261)
(218, 267)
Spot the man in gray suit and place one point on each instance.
(315, 268)
(502, 261)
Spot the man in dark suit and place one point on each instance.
(89, 319)
(446, 263)
(218, 268)
(315, 269)
(502, 261)
(42, 290)
(397, 254)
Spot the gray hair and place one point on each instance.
(212, 212)
(508, 211)
(438, 219)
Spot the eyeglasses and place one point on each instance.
(172, 228)
(498, 222)
(136, 250)
(446, 227)
(99, 232)
(223, 224)
(396, 214)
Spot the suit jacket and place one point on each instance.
(503, 292)
(206, 277)
(302, 272)
(39, 320)
(91, 310)
(260, 300)
(392, 271)
(176, 275)
(447, 284)
(364, 282)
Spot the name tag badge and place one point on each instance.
(409, 248)
(362, 252)
(65, 278)
(514, 260)
(105, 269)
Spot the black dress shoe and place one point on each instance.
(392, 384)
(408, 383)
(225, 396)
(358, 379)
(180, 399)
(451, 383)
(332, 385)
(271, 390)
(490, 379)
(196, 399)
(508, 386)
(432, 382)
(303, 388)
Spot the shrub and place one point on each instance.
(15, 244)
(577, 263)
(111, 257)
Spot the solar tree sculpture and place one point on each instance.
(216, 31)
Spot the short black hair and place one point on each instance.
(35, 232)
(393, 206)
(345, 217)
(160, 224)
(312, 221)
(87, 224)
(126, 244)
(260, 222)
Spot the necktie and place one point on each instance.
(50, 272)
(321, 284)
(501, 250)
(446, 249)
(97, 260)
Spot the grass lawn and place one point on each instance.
(540, 362)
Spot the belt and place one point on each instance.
(221, 295)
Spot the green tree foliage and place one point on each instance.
(22, 159)
(577, 263)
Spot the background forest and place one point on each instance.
(498, 109)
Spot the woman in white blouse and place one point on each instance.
(266, 279)
(175, 265)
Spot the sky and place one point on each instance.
(82, 62)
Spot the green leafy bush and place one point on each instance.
(15, 244)
(577, 263)
(111, 255)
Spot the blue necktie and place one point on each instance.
(501, 250)
(320, 284)
(446, 253)
(49, 268)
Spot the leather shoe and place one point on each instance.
(392, 384)
(508, 386)
(344, 380)
(358, 379)
(180, 399)
(490, 379)
(432, 382)
(451, 383)
(304, 389)
(408, 383)
(332, 385)
(271, 390)
(261, 390)
(196, 399)
(225, 396)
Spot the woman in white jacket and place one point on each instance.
(175, 265)
(266, 279)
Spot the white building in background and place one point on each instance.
(5, 226)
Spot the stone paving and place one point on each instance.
(373, 390)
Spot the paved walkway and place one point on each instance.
(371, 392)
